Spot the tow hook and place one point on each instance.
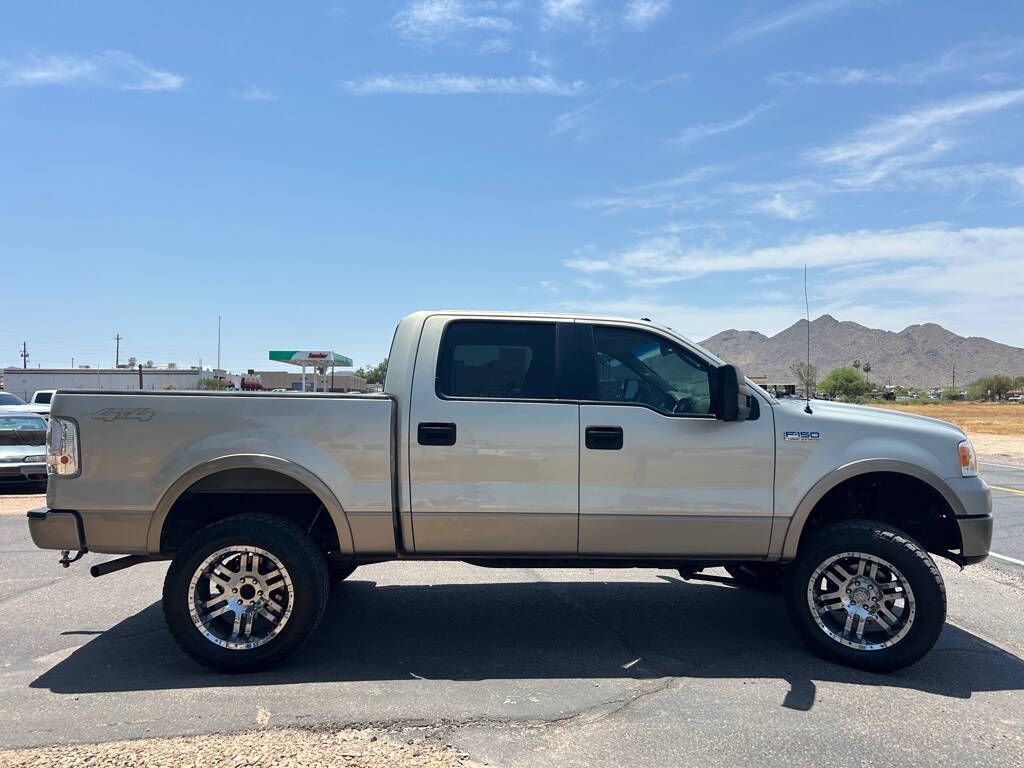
(66, 561)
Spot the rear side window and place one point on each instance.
(43, 398)
(497, 360)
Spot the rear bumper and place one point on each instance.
(56, 529)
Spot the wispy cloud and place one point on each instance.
(430, 21)
(785, 208)
(641, 14)
(974, 56)
(252, 93)
(703, 130)
(784, 17)
(661, 82)
(565, 12)
(445, 84)
(574, 121)
(110, 69)
(911, 138)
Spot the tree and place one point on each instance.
(132, 362)
(805, 376)
(990, 388)
(148, 364)
(856, 364)
(866, 367)
(213, 384)
(170, 385)
(846, 382)
(376, 374)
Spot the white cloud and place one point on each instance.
(967, 56)
(908, 139)
(783, 208)
(429, 21)
(564, 12)
(887, 278)
(698, 132)
(661, 82)
(110, 69)
(784, 17)
(445, 84)
(641, 14)
(574, 121)
(252, 93)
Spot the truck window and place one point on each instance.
(497, 360)
(641, 368)
(42, 398)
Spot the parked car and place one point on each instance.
(11, 402)
(40, 401)
(22, 448)
(519, 440)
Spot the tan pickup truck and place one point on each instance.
(513, 439)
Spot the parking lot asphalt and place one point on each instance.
(519, 667)
(1007, 483)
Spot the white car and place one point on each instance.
(13, 403)
(22, 447)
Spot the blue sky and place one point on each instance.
(314, 173)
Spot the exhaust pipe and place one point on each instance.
(102, 569)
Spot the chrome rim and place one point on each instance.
(240, 597)
(861, 601)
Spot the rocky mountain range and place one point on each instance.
(918, 356)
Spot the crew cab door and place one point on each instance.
(659, 474)
(493, 448)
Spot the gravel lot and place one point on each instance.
(309, 748)
(20, 503)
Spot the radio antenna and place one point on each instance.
(809, 377)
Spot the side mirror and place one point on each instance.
(727, 393)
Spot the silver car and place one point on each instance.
(22, 448)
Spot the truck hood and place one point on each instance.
(826, 408)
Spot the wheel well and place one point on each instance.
(900, 500)
(235, 491)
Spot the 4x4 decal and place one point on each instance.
(124, 414)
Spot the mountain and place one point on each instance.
(918, 356)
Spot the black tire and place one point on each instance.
(337, 572)
(291, 547)
(890, 545)
(766, 577)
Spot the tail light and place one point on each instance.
(62, 448)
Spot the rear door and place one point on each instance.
(494, 438)
(659, 474)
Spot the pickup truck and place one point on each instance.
(519, 440)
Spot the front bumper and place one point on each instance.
(974, 519)
(22, 472)
(56, 529)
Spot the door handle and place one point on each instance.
(435, 433)
(604, 438)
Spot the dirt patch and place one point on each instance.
(20, 503)
(995, 429)
(312, 748)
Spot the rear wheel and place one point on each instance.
(245, 592)
(866, 595)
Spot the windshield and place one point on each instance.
(6, 398)
(21, 423)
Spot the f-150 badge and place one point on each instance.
(803, 436)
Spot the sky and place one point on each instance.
(313, 172)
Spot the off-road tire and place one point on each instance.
(892, 545)
(291, 546)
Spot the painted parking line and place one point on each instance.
(1018, 491)
(1004, 466)
(1013, 560)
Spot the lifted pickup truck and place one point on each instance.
(514, 439)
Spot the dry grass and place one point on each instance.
(275, 748)
(20, 503)
(996, 429)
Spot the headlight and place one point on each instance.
(968, 459)
(62, 448)
(35, 459)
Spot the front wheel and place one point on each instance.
(865, 595)
(245, 592)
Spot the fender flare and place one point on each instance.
(853, 469)
(251, 461)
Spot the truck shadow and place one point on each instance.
(547, 630)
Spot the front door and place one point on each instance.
(659, 474)
(494, 451)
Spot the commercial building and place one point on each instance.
(24, 381)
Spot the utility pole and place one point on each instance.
(24, 355)
(218, 342)
(954, 375)
(117, 351)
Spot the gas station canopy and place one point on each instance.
(315, 358)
